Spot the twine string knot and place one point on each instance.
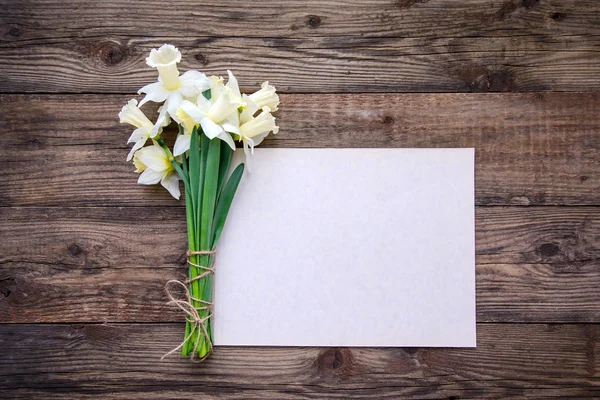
(187, 305)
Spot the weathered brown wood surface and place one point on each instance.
(307, 46)
(531, 149)
(534, 264)
(121, 361)
(84, 251)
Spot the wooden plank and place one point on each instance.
(313, 65)
(123, 362)
(37, 19)
(531, 149)
(369, 46)
(110, 264)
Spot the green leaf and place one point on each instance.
(194, 167)
(192, 211)
(225, 202)
(184, 165)
(226, 156)
(211, 159)
(209, 195)
(189, 209)
(204, 143)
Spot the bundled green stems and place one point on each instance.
(208, 196)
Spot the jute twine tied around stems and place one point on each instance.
(187, 305)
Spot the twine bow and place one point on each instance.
(190, 309)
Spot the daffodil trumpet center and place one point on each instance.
(169, 76)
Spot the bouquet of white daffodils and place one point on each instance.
(210, 115)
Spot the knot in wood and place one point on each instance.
(75, 249)
(111, 53)
(387, 120)
(313, 21)
(201, 58)
(15, 31)
(549, 249)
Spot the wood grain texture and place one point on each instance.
(83, 244)
(110, 264)
(314, 46)
(38, 19)
(531, 149)
(312, 65)
(123, 362)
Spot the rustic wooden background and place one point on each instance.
(85, 251)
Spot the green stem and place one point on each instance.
(209, 197)
(189, 210)
(183, 172)
(203, 176)
(196, 288)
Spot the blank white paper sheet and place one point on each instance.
(349, 247)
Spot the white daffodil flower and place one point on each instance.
(132, 115)
(182, 143)
(266, 97)
(217, 118)
(155, 167)
(253, 130)
(217, 87)
(171, 87)
(215, 112)
(232, 84)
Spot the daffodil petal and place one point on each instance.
(171, 182)
(248, 154)
(250, 143)
(172, 103)
(138, 145)
(232, 124)
(217, 88)
(188, 91)
(164, 56)
(203, 103)
(161, 122)
(138, 134)
(211, 129)
(192, 110)
(182, 144)
(194, 83)
(259, 138)
(266, 97)
(155, 92)
(223, 106)
(226, 137)
(150, 177)
(154, 158)
(132, 115)
(232, 83)
(264, 122)
(248, 111)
